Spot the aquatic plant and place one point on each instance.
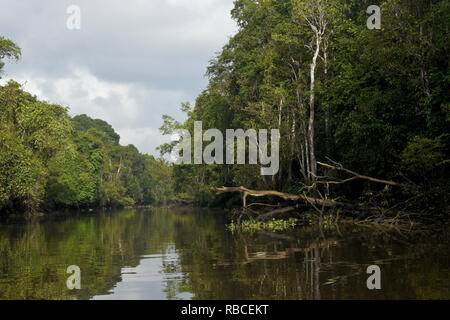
(274, 225)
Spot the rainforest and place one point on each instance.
(361, 117)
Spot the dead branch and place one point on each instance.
(318, 198)
(285, 196)
(257, 204)
(356, 175)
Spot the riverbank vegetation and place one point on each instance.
(49, 160)
(363, 114)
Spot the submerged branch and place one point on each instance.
(275, 212)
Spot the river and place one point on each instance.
(189, 254)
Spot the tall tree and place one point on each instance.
(8, 50)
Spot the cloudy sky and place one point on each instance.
(129, 63)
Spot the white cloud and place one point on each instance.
(127, 107)
(131, 62)
(143, 138)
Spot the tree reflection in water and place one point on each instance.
(189, 254)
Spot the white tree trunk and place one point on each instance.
(312, 155)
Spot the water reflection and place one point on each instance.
(188, 254)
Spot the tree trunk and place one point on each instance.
(293, 137)
(312, 155)
(280, 110)
(327, 111)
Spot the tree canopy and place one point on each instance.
(376, 101)
(8, 50)
(49, 160)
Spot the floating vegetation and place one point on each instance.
(329, 221)
(274, 225)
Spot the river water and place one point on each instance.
(189, 254)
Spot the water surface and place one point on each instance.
(189, 254)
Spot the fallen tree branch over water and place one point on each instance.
(320, 201)
(264, 193)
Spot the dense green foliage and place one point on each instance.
(48, 160)
(380, 97)
(9, 50)
(375, 101)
